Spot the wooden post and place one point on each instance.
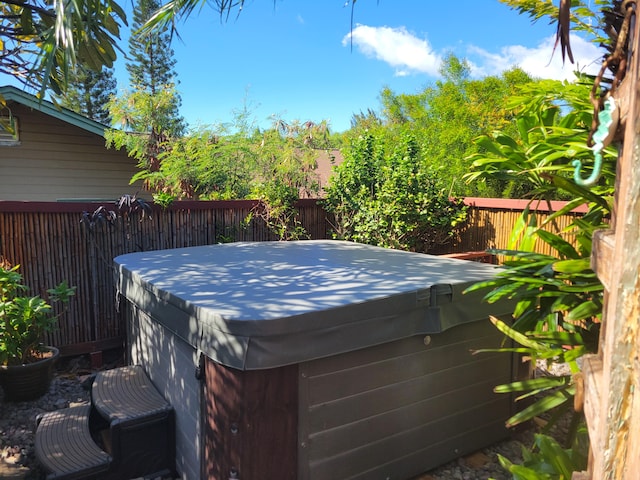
(612, 377)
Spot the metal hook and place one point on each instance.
(602, 137)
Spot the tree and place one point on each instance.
(89, 93)
(239, 161)
(141, 116)
(43, 42)
(152, 67)
(386, 194)
(447, 116)
(149, 114)
(286, 167)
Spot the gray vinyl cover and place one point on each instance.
(268, 304)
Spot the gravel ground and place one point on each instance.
(17, 424)
(17, 420)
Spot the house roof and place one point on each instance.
(13, 94)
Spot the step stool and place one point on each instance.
(127, 431)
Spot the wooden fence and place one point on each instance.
(491, 220)
(50, 244)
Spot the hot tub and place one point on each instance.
(316, 359)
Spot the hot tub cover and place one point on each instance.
(268, 304)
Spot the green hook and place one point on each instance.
(605, 119)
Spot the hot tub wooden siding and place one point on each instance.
(170, 363)
(322, 360)
(390, 411)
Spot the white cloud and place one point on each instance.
(408, 54)
(397, 47)
(538, 61)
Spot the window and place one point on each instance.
(9, 132)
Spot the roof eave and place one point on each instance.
(14, 94)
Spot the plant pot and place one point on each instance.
(28, 381)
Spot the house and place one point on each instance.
(49, 153)
(326, 160)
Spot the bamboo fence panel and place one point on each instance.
(490, 228)
(50, 244)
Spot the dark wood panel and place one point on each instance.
(384, 410)
(401, 394)
(433, 358)
(250, 423)
(459, 431)
(419, 461)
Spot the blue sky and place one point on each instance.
(293, 59)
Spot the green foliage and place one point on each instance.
(540, 152)
(43, 42)
(550, 392)
(558, 297)
(556, 320)
(147, 116)
(548, 288)
(447, 116)
(557, 312)
(275, 166)
(89, 92)
(585, 15)
(151, 56)
(277, 209)
(163, 199)
(145, 126)
(558, 306)
(174, 10)
(151, 68)
(204, 165)
(25, 319)
(285, 170)
(548, 460)
(385, 194)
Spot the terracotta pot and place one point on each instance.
(29, 381)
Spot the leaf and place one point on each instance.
(525, 123)
(533, 384)
(523, 306)
(573, 354)
(570, 187)
(489, 145)
(543, 405)
(572, 266)
(506, 140)
(594, 287)
(521, 234)
(503, 291)
(559, 338)
(553, 453)
(479, 286)
(586, 309)
(558, 243)
(570, 205)
(516, 336)
(518, 253)
(527, 351)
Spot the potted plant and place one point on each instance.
(26, 366)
